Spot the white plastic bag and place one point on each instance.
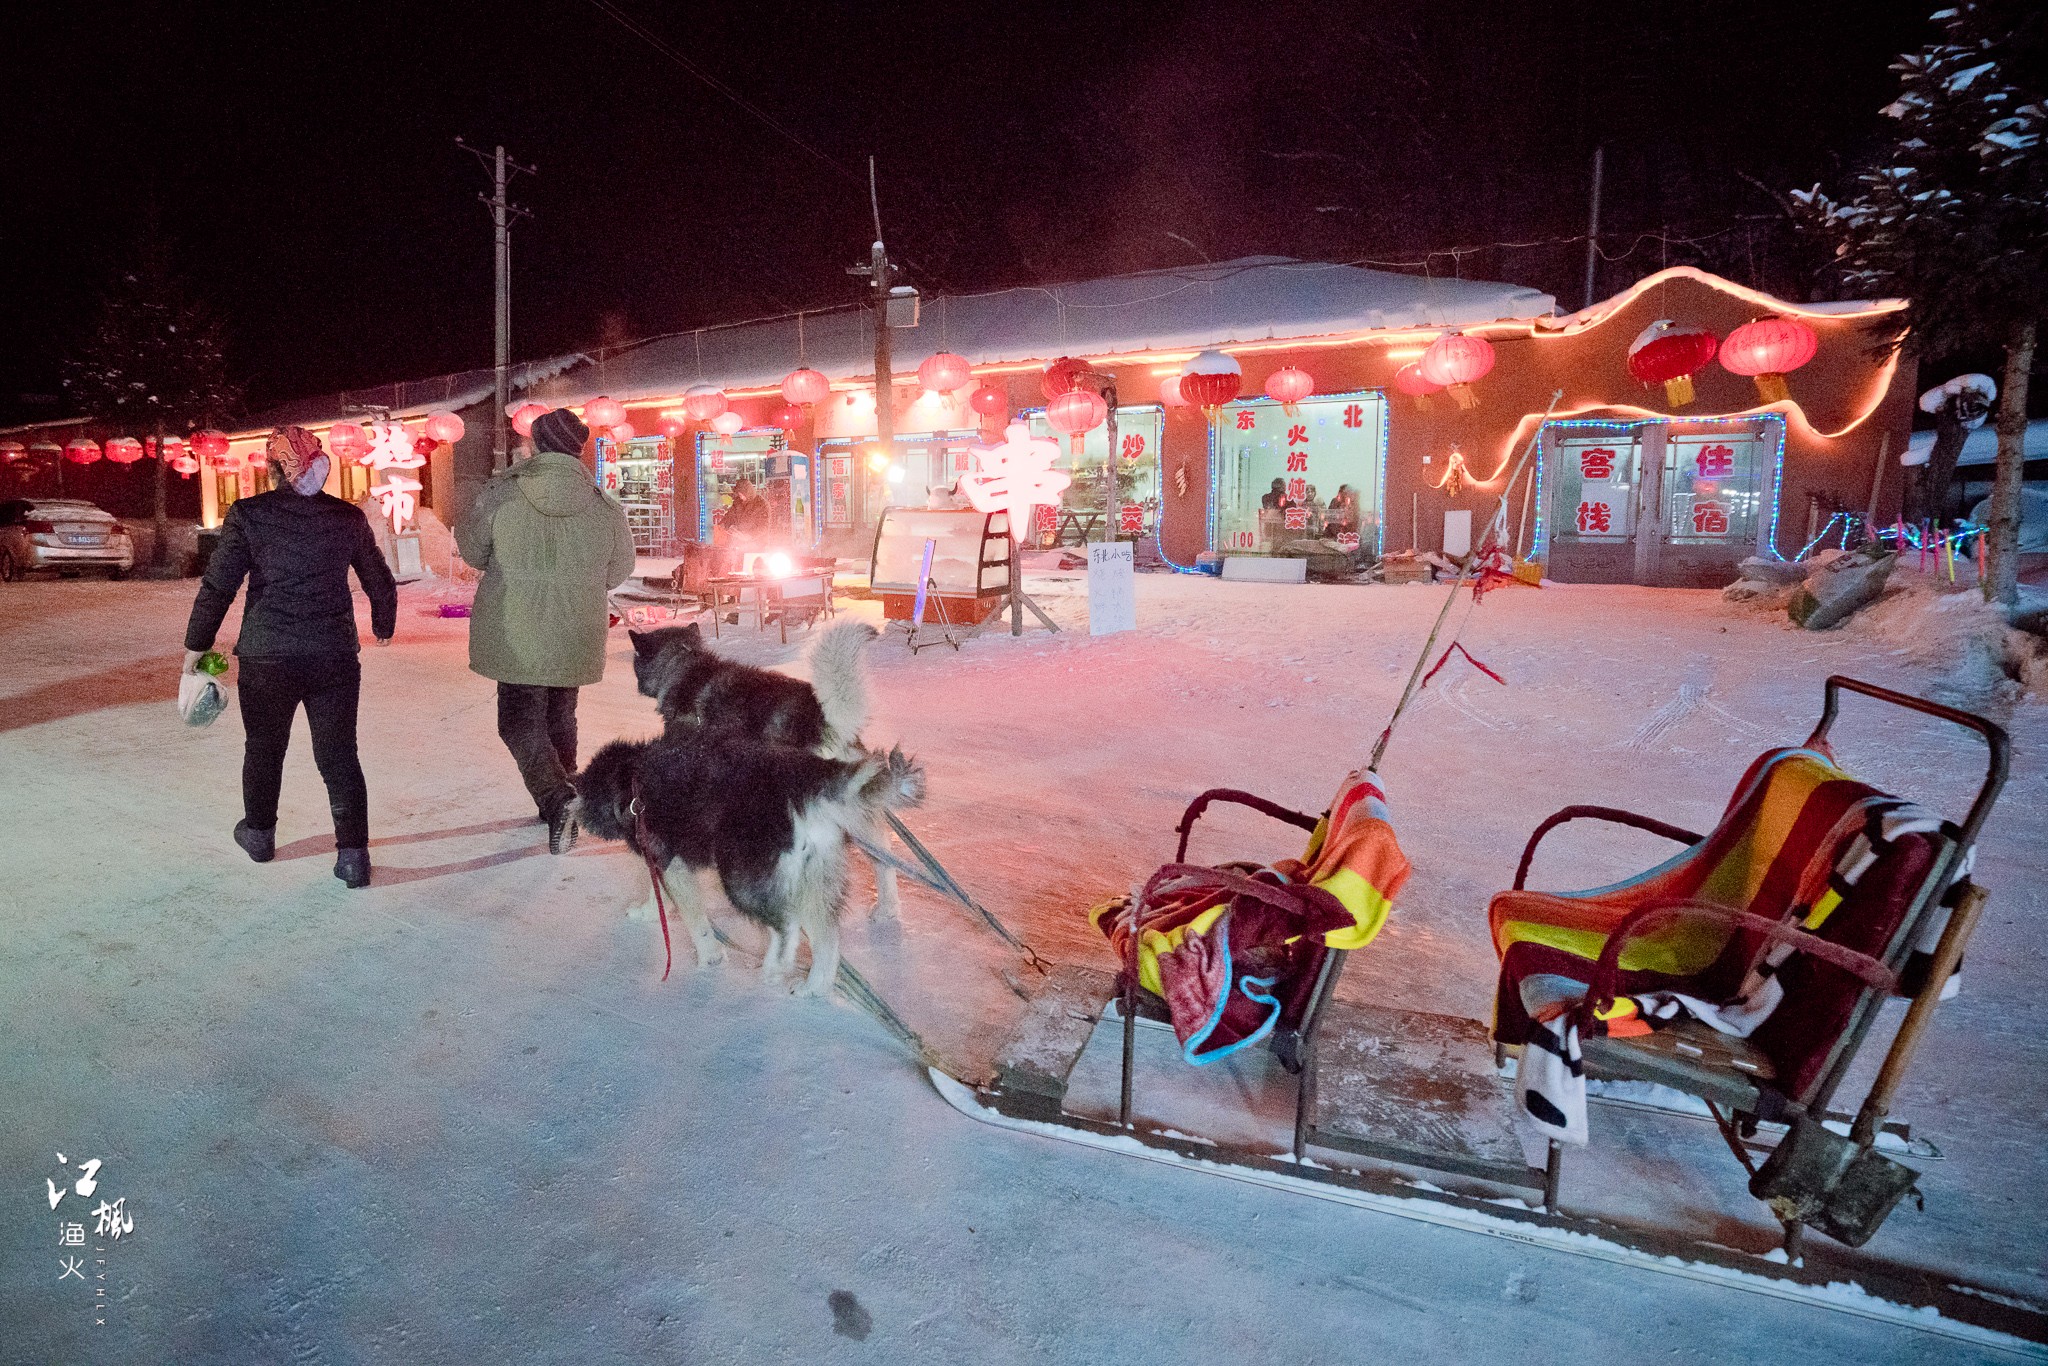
(201, 698)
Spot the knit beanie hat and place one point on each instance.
(560, 430)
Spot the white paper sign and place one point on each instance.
(1112, 592)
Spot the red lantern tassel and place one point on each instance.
(1678, 390)
(1773, 389)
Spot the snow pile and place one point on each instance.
(1976, 658)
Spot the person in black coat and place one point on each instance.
(298, 643)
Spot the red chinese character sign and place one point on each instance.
(1597, 463)
(1710, 518)
(1715, 462)
(392, 452)
(1130, 519)
(1596, 517)
(1296, 518)
(1016, 476)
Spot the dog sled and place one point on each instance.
(1836, 895)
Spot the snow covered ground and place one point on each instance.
(457, 1118)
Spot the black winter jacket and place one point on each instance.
(296, 552)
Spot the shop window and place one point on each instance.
(783, 476)
(1138, 434)
(641, 475)
(922, 463)
(1596, 486)
(1713, 488)
(1276, 473)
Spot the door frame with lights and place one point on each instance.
(1689, 498)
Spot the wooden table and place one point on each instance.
(808, 596)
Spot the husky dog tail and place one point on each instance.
(841, 683)
(889, 781)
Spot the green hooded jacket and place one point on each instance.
(550, 545)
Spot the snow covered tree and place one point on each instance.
(153, 361)
(1954, 217)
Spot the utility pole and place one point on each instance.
(503, 212)
(1593, 223)
(880, 280)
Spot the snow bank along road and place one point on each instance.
(456, 1117)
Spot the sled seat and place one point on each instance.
(1859, 884)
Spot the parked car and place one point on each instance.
(63, 534)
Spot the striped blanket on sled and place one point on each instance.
(1234, 951)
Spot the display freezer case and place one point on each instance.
(970, 560)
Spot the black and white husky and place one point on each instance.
(692, 687)
(771, 820)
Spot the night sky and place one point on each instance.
(302, 157)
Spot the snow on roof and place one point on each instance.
(1257, 298)
(1981, 446)
(1595, 313)
(406, 398)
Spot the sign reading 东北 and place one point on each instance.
(1112, 589)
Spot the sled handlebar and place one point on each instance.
(1604, 813)
(1995, 738)
(1299, 819)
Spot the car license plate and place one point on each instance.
(85, 540)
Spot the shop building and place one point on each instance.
(1630, 486)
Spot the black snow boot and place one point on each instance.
(259, 845)
(352, 866)
(562, 829)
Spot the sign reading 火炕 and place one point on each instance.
(1112, 596)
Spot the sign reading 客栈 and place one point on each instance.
(1112, 589)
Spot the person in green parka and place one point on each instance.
(550, 545)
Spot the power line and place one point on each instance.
(666, 49)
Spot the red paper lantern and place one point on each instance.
(1408, 379)
(704, 402)
(1289, 386)
(1075, 412)
(1061, 376)
(1669, 354)
(728, 423)
(788, 417)
(1456, 362)
(523, 417)
(444, 427)
(423, 446)
(346, 440)
(1169, 392)
(989, 401)
(124, 450)
(1768, 349)
(944, 372)
(1211, 380)
(603, 412)
(669, 426)
(622, 433)
(11, 451)
(81, 450)
(805, 386)
(185, 465)
(210, 444)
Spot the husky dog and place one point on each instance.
(771, 820)
(694, 687)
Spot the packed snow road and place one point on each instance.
(456, 1117)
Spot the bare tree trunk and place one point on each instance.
(160, 549)
(1940, 470)
(2002, 582)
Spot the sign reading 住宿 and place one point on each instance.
(1112, 595)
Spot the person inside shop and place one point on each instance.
(1315, 512)
(1276, 497)
(551, 546)
(747, 519)
(1342, 515)
(297, 642)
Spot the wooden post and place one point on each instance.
(1884, 450)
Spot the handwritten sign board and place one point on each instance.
(1112, 590)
